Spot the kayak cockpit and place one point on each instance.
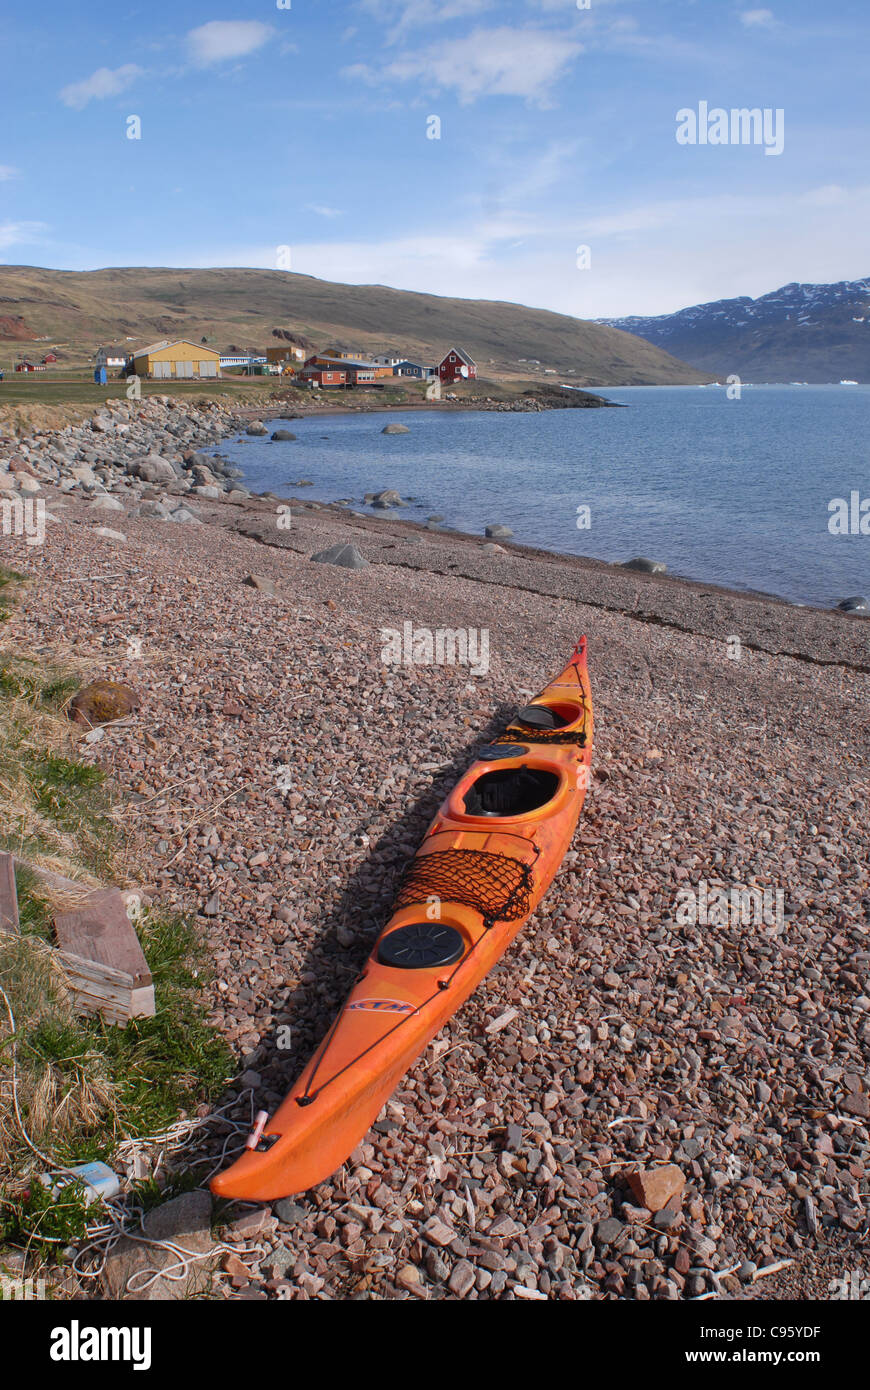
(511, 791)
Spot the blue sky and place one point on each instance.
(306, 127)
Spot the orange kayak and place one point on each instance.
(487, 860)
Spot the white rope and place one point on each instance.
(104, 1236)
(59, 1167)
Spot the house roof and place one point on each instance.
(463, 356)
(173, 342)
(343, 362)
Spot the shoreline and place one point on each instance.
(707, 771)
(213, 423)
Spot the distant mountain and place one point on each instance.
(798, 333)
(85, 309)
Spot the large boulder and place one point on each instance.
(183, 1222)
(395, 429)
(387, 498)
(856, 604)
(498, 532)
(101, 702)
(151, 507)
(645, 566)
(280, 435)
(256, 427)
(151, 468)
(345, 555)
(261, 582)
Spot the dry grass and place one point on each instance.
(54, 816)
(63, 1085)
(54, 811)
(77, 1085)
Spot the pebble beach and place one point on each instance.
(278, 776)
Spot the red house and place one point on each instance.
(319, 375)
(456, 365)
(49, 357)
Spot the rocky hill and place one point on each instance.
(797, 333)
(83, 309)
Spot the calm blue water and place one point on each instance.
(728, 492)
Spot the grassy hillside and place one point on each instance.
(80, 310)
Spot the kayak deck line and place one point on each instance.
(484, 865)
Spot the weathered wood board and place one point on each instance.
(8, 896)
(101, 931)
(106, 969)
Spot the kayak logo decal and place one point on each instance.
(381, 1006)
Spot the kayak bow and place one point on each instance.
(485, 863)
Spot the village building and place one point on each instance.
(291, 347)
(456, 365)
(316, 373)
(110, 357)
(287, 352)
(357, 371)
(413, 369)
(326, 371)
(343, 354)
(27, 366)
(179, 359)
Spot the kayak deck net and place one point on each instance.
(495, 885)
(519, 733)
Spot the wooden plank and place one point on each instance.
(100, 931)
(8, 896)
(98, 989)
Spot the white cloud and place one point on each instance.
(8, 171)
(221, 39)
(758, 19)
(648, 258)
(489, 62)
(20, 233)
(398, 16)
(323, 211)
(105, 82)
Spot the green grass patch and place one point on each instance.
(86, 1085)
(34, 910)
(62, 789)
(82, 1084)
(44, 1221)
(7, 577)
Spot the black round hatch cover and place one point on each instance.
(421, 945)
(539, 717)
(493, 751)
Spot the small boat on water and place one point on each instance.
(485, 863)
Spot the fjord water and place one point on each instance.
(731, 492)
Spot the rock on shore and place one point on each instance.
(129, 450)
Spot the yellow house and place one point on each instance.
(177, 360)
(287, 352)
